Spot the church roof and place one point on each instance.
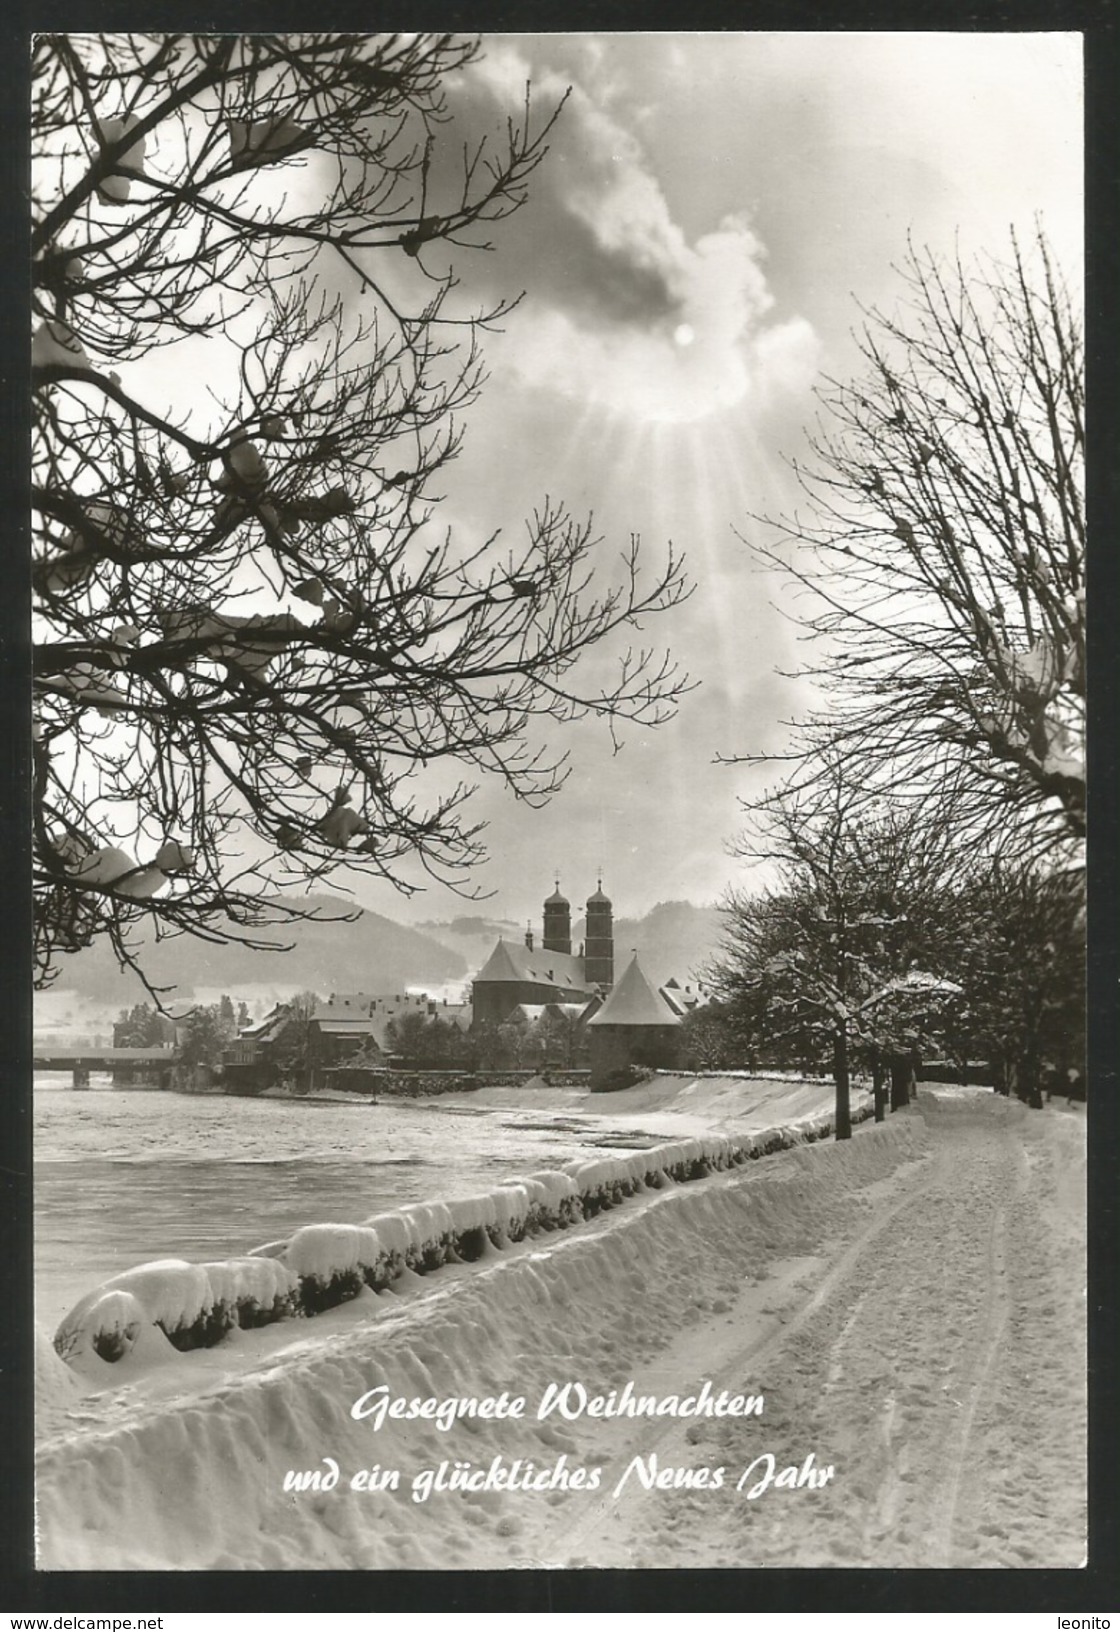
(556, 899)
(512, 963)
(599, 899)
(635, 1002)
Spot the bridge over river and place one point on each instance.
(153, 1065)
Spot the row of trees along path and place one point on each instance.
(926, 830)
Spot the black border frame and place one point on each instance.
(1072, 1592)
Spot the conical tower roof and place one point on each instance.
(556, 899)
(599, 899)
(634, 1001)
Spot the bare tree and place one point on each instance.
(943, 543)
(250, 366)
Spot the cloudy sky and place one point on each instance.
(692, 252)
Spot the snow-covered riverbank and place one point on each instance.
(907, 1307)
(127, 1175)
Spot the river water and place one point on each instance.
(127, 1175)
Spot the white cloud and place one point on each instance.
(614, 282)
(709, 352)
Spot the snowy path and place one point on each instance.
(910, 1305)
(938, 1363)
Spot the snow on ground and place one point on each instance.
(908, 1306)
(669, 1105)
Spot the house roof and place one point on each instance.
(268, 1029)
(455, 1014)
(635, 1002)
(510, 963)
(571, 1011)
(359, 1005)
(341, 1005)
(535, 1012)
(682, 1002)
(532, 1012)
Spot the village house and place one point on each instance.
(358, 1023)
(290, 1043)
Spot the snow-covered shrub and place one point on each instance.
(554, 1201)
(193, 1305)
(397, 1238)
(432, 1235)
(250, 1291)
(601, 1183)
(511, 1214)
(106, 1323)
(473, 1218)
(323, 1265)
(333, 1262)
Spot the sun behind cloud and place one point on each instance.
(622, 309)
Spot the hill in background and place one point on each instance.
(675, 940)
(362, 952)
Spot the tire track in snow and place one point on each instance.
(728, 1362)
(891, 1359)
(1024, 1503)
(996, 1304)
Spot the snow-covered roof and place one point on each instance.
(266, 1030)
(357, 1026)
(535, 1012)
(634, 1001)
(349, 1006)
(341, 1004)
(518, 964)
(682, 1001)
(532, 1012)
(455, 1014)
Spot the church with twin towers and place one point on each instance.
(525, 977)
(628, 1020)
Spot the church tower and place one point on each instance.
(599, 949)
(557, 923)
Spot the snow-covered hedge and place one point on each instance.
(323, 1265)
(194, 1305)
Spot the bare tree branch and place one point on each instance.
(250, 641)
(943, 549)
